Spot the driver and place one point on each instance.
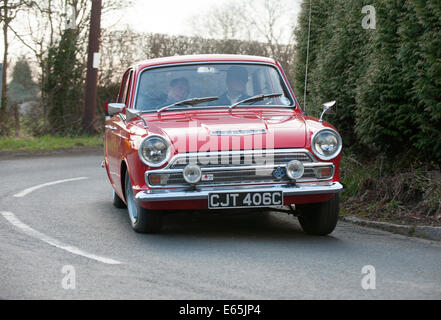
(178, 90)
(236, 81)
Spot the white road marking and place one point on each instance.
(29, 190)
(53, 242)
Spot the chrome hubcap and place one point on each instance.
(131, 206)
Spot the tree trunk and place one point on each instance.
(17, 120)
(92, 70)
(4, 100)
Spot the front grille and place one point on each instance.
(228, 159)
(240, 176)
(237, 168)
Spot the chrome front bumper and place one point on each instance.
(201, 194)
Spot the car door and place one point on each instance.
(115, 132)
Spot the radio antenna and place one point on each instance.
(307, 57)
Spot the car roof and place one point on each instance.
(202, 58)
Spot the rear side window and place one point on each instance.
(124, 92)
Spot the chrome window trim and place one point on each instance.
(287, 87)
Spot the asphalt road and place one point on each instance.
(197, 256)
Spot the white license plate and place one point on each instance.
(225, 200)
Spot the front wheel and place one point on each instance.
(117, 202)
(319, 218)
(142, 220)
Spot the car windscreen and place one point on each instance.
(231, 83)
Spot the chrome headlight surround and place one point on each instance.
(318, 152)
(149, 162)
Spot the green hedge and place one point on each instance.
(387, 81)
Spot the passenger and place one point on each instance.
(178, 90)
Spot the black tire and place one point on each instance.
(142, 220)
(319, 219)
(117, 202)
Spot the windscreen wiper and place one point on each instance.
(256, 98)
(191, 102)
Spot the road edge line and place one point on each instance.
(11, 218)
(25, 192)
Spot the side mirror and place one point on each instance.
(327, 107)
(132, 114)
(115, 108)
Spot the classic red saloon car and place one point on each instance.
(214, 132)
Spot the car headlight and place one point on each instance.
(326, 144)
(154, 151)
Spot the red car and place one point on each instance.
(212, 132)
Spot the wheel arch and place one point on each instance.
(124, 171)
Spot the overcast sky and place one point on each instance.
(164, 16)
(171, 16)
(156, 16)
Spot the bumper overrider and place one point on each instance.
(202, 194)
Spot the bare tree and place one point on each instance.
(223, 21)
(41, 26)
(269, 21)
(43, 22)
(8, 12)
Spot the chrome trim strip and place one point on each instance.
(201, 194)
(266, 152)
(167, 170)
(237, 132)
(174, 171)
(233, 168)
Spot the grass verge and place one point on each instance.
(49, 143)
(399, 195)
